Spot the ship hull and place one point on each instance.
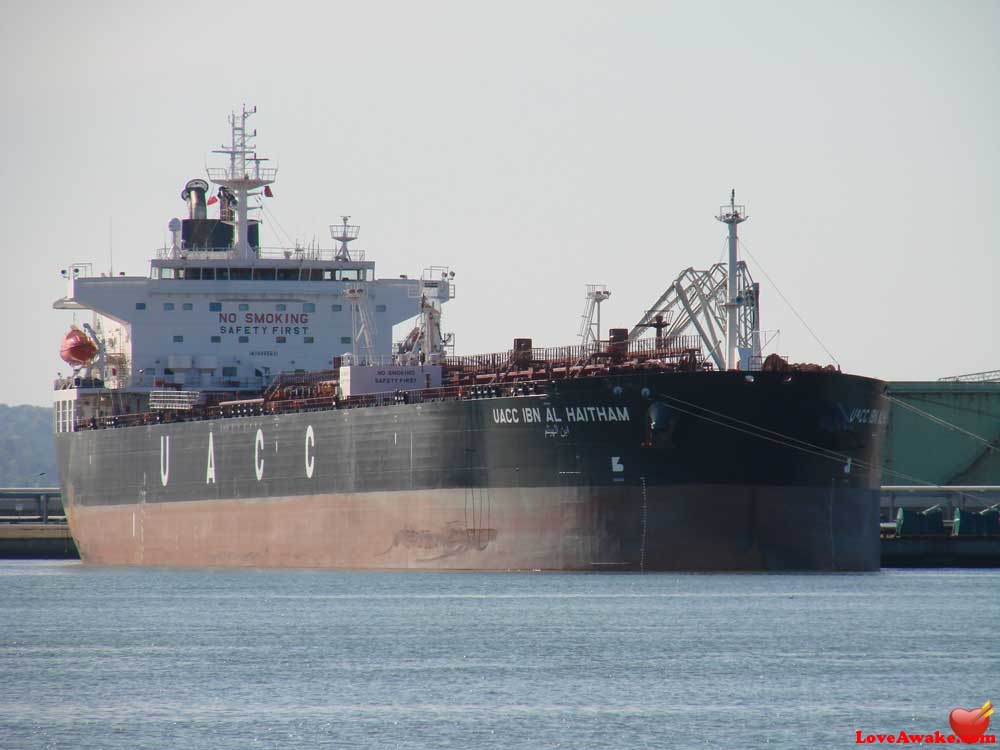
(706, 471)
(688, 528)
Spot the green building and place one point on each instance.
(943, 432)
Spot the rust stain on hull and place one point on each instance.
(451, 541)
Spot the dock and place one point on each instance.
(33, 525)
(36, 541)
(937, 543)
(940, 552)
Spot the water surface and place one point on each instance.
(147, 658)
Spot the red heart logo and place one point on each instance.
(965, 724)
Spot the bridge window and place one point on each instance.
(189, 273)
(166, 273)
(315, 275)
(208, 274)
(263, 274)
(222, 274)
(239, 274)
(289, 274)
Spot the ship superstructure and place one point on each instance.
(220, 314)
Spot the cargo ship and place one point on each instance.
(247, 406)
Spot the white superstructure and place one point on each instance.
(218, 312)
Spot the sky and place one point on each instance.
(533, 147)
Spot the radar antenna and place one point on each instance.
(344, 233)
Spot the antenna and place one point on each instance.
(243, 175)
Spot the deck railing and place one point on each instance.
(259, 407)
(265, 253)
(528, 372)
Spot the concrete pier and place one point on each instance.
(33, 524)
(941, 552)
(36, 541)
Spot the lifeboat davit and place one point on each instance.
(77, 348)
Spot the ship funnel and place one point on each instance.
(194, 194)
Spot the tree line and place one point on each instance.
(27, 448)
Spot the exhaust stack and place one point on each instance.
(194, 194)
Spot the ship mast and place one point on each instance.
(732, 215)
(243, 175)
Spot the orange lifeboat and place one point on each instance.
(77, 348)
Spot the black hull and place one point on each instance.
(622, 472)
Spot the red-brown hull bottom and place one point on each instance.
(681, 528)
